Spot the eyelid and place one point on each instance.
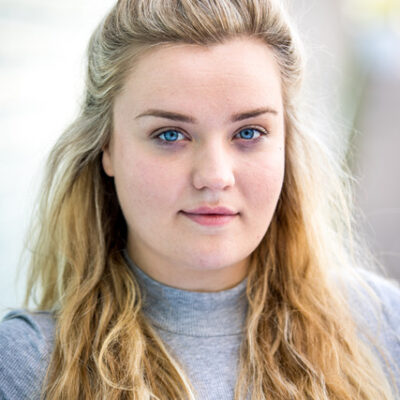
(255, 127)
(156, 134)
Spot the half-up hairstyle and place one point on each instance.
(300, 341)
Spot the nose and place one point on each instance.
(213, 169)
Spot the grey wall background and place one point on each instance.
(353, 77)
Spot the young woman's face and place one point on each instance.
(197, 153)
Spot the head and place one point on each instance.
(240, 61)
(95, 203)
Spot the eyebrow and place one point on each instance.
(185, 118)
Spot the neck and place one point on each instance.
(192, 313)
(201, 279)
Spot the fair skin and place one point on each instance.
(198, 126)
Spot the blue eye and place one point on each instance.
(249, 133)
(170, 136)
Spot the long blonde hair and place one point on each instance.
(300, 342)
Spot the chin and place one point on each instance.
(208, 262)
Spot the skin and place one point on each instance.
(211, 163)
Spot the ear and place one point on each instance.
(106, 160)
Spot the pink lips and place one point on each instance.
(210, 216)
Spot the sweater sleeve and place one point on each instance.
(25, 347)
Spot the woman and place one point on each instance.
(193, 239)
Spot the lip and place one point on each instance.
(211, 216)
(211, 210)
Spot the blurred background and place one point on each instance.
(353, 80)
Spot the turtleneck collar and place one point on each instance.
(192, 313)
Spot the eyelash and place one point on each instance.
(262, 132)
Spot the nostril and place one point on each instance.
(213, 182)
(215, 179)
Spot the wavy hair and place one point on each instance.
(300, 341)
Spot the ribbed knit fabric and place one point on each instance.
(203, 331)
(26, 342)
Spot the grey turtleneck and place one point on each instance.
(203, 331)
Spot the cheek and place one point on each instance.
(263, 181)
(146, 185)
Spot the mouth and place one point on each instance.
(207, 216)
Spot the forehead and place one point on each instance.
(239, 70)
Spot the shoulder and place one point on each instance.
(388, 293)
(374, 303)
(373, 298)
(26, 341)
